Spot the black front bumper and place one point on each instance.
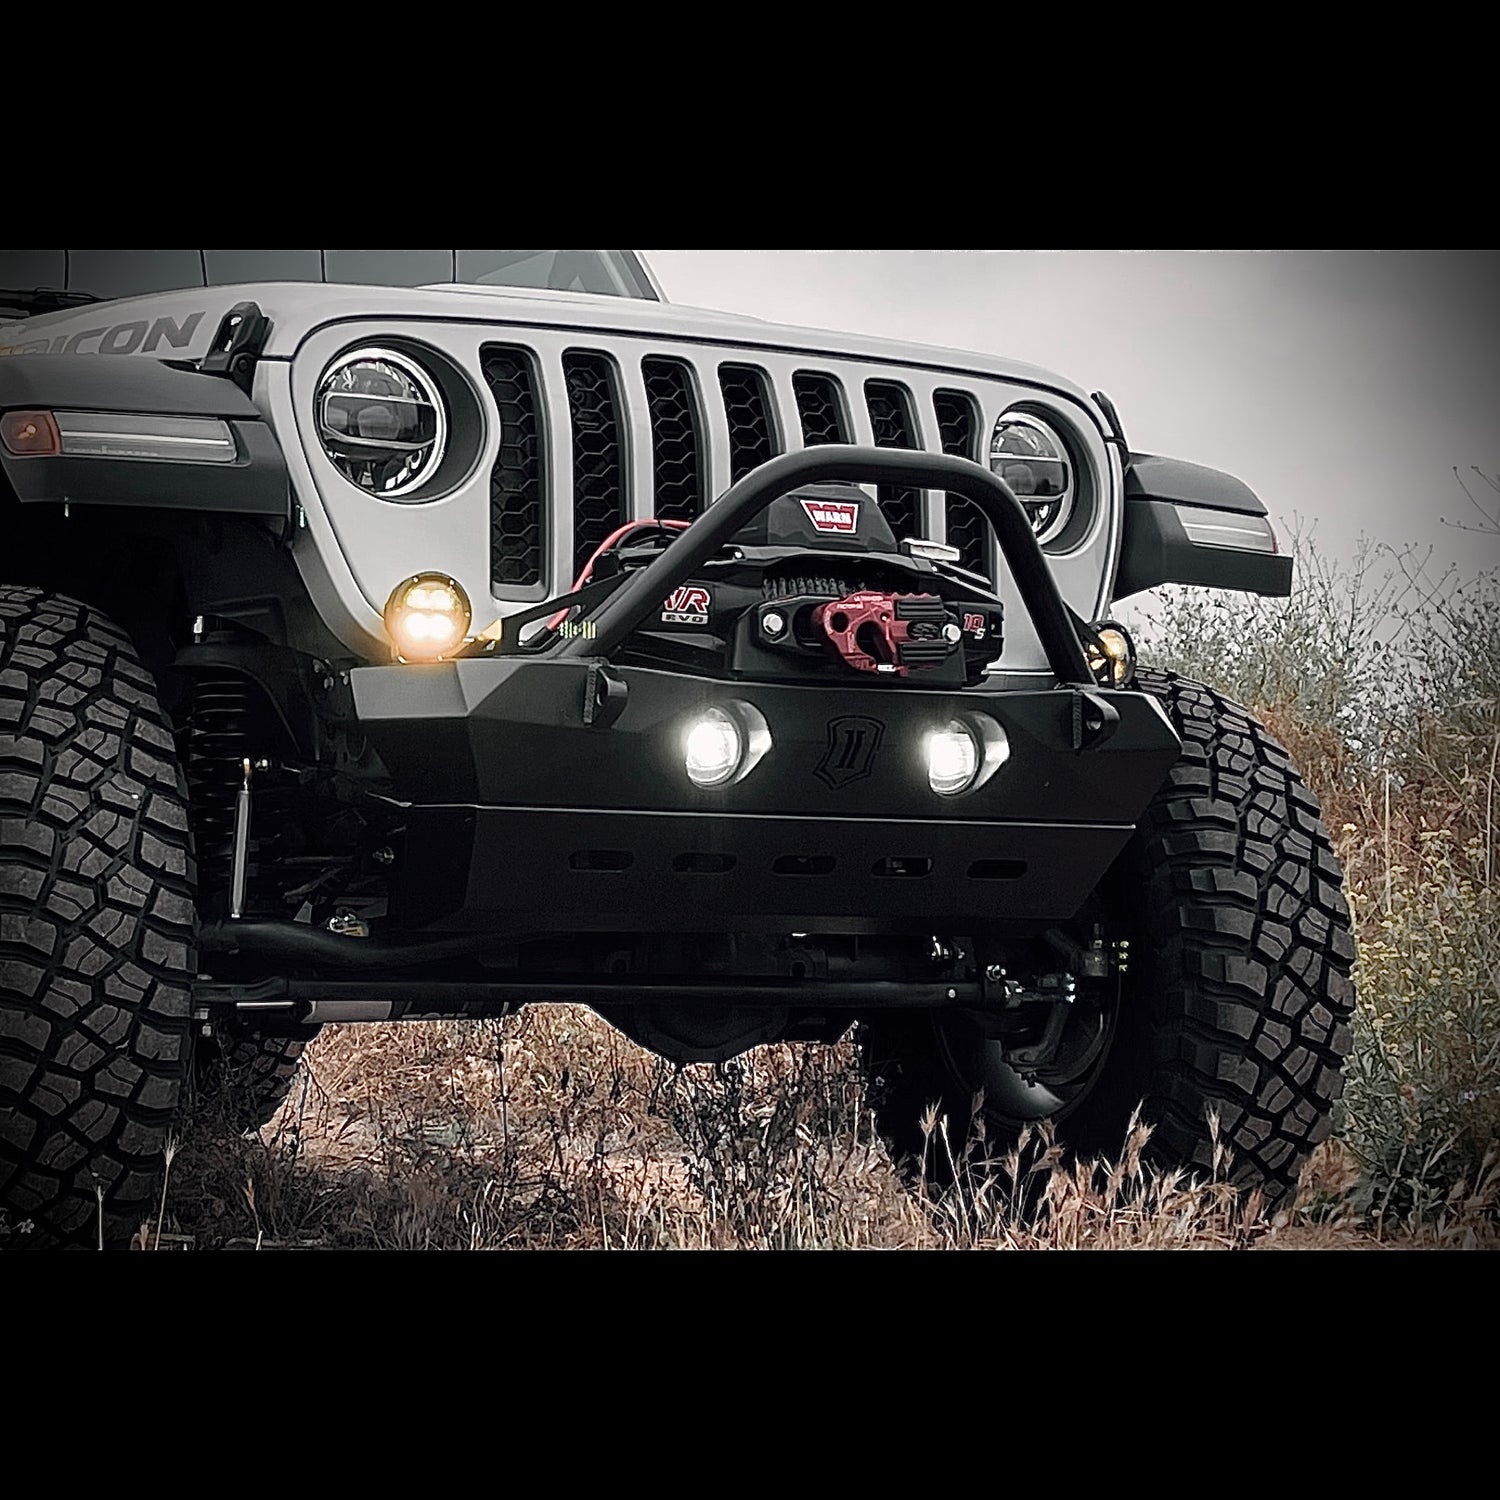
(548, 793)
(524, 817)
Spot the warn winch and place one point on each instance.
(876, 632)
(814, 586)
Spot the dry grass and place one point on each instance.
(550, 1130)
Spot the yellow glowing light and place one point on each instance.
(427, 616)
(1115, 649)
(435, 596)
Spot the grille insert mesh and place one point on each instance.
(747, 407)
(891, 417)
(598, 470)
(968, 528)
(677, 467)
(820, 409)
(517, 491)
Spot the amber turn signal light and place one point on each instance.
(30, 434)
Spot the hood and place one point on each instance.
(180, 325)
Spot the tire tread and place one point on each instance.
(97, 920)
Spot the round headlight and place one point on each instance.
(1031, 458)
(381, 421)
(427, 617)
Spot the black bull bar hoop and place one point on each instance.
(628, 608)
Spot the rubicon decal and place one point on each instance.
(853, 740)
(687, 605)
(122, 338)
(835, 517)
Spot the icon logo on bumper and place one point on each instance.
(853, 740)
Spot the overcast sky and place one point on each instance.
(1341, 386)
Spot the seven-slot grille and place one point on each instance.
(676, 394)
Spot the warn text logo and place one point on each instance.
(836, 517)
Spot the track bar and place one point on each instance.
(310, 1000)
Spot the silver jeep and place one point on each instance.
(393, 634)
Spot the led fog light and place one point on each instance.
(952, 758)
(714, 748)
(964, 754)
(723, 745)
(427, 617)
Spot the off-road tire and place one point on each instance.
(96, 925)
(1238, 996)
(242, 1079)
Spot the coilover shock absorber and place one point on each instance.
(223, 731)
(217, 742)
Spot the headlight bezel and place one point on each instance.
(426, 481)
(1057, 526)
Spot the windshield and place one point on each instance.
(131, 273)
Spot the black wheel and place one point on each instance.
(1238, 993)
(96, 925)
(240, 1078)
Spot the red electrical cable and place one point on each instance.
(603, 547)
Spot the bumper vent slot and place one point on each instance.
(968, 530)
(747, 406)
(895, 427)
(517, 488)
(601, 859)
(821, 409)
(598, 471)
(677, 467)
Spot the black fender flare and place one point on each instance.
(1164, 498)
(255, 484)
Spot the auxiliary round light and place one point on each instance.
(713, 748)
(427, 617)
(1113, 661)
(953, 758)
